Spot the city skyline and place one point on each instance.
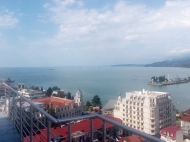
(82, 33)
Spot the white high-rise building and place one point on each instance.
(147, 111)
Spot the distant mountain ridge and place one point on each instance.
(182, 62)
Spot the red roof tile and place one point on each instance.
(83, 126)
(171, 130)
(186, 118)
(133, 138)
(56, 101)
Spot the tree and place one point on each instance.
(41, 88)
(49, 92)
(55, 88)
(68, 96)
(87, 106)
(61, 94)
(51, 110)
(96, 101)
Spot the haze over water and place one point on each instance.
(107, 82)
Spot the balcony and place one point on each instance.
(29, 127)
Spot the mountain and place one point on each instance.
(182, 62)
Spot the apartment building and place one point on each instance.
(147, 111)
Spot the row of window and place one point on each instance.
(63, 109)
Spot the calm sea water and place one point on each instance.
(107, 82)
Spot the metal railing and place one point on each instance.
(32, 121)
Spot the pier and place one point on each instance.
(170, 82)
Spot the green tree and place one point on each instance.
(68, 96)
(49, 92)
(96, 101)
(41, 89)
(87, 105)
(72, 97)
(61, 94)
(51, 110)
(55, 88)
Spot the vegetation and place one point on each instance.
(96, 102)
(87, 105)
(34, 88)
(55, 88)
(159, 79)
(51, 110)
(49, 92)
(68, 95)
(61, 94)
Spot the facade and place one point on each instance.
(172, 134)
(147, 111)
(29, 93)
(185, 123)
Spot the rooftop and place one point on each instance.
(148, 93)
(133, 138)
(77, 129)
(186, 118)
(109, 104)
(171, 130)
(56, 101)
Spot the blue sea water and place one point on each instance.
(107, 82)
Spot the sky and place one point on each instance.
(43, 33)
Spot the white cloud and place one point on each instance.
(129, 30)
(180, 51)
(7, 19)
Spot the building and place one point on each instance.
(29, 93)
(172, 134)
(147, 111)
(80, 131)
(185, 123)
(109, 107)
(63, 108)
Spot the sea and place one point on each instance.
(106, 82)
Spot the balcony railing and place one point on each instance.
(35, 124)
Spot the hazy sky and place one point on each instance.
(92, 32)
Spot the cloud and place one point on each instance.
(132, 31)
(180, 51)
(7, 19)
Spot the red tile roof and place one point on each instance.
(81, 127)
(56, 101)
(171, 130)
(133, 138)
(186, 118)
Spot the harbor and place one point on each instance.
(162, 81)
